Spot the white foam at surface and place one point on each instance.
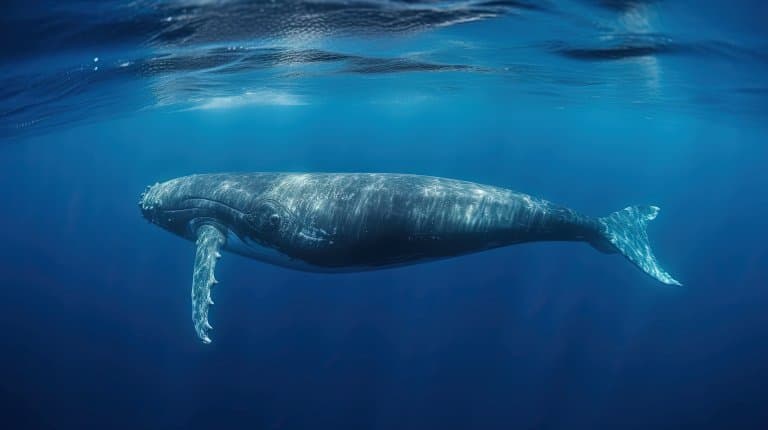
(266, 97)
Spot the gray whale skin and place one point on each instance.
(335, 222)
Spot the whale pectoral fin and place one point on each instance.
(209, 242)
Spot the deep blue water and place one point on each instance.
(595, 104)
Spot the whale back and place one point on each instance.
(361, 221)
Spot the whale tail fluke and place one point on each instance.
(625, 231)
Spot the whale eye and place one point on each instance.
(274, 220)
(267, 218)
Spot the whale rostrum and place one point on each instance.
(342, 222)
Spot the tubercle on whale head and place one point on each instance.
(149, 203)
(159, 205)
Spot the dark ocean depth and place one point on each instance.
(593, 104)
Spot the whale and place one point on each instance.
(347, 222)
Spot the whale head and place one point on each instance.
(240, 209)
(165, 205)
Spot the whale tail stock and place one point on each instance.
(625, 232)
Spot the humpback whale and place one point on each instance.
(342, 222)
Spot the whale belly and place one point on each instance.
(254, 250)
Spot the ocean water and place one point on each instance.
(594, 104)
